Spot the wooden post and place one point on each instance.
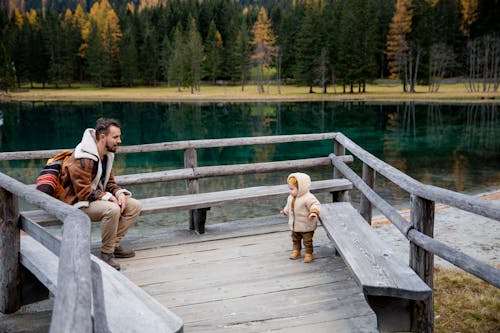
(197, 217)
(339, 150)
(192, 186)
(422, 262)
(10, 272)
(365, 206)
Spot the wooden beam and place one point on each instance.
(181, 145)
(10, 273)
(422, 262)
(365, 206)
(467, 263)
(429, 192)
(225, 170)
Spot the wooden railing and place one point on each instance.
(72, 307)
(77, 284)
(419, 231)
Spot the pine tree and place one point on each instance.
(308, 53)
(7, 77)
(150, 56)
(214, 49)
(194, 57)
(97, 68)
(176, 61)
(128, 57)
(165, 54)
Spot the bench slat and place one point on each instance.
(128, 307)
(373, 263)
(205, 200)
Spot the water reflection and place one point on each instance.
(452, 146)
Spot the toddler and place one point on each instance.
(302, 209)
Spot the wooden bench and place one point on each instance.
(128, 308)
(391, 287)
(203, 201)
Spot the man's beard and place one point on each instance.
(111, 149)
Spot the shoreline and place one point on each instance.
(452, 93)
(473, 234)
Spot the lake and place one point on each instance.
(454, 146)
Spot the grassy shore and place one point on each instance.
(464, 303)
(449, 93)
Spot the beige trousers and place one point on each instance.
(114, 225)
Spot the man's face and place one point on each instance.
(113, 139)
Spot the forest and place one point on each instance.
(311, 43)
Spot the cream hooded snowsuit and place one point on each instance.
(298, 208)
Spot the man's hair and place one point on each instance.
(102, 125)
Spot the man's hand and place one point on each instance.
(122, 202)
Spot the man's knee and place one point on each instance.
(134, 206)
(112, 210)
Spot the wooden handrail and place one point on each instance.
(429, 192)
(181, 145)
(225, 170)
(460, 259)
(72, 307)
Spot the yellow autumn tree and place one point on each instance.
(397, 46)
(81, 21)
(469, 15)
(264, 46)
(108, 25)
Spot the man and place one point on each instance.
(88, 183)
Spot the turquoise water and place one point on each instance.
(451, 146)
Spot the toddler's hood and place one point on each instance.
(303, 180)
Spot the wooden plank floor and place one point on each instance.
(237, 278)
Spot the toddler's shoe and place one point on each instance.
(295, 254)
(308, 258)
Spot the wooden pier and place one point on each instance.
(237, 278)
(234, 276)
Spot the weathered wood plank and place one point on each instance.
(422, 262)
(203, 200)
(365, 206)
(377, 269)
(128, 308)
(429, 192)
(225, 170)
(10, 273)
(248, 284)
(181, 145)
(390, 286)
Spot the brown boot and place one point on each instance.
(109, 258)
(295, 254)
(123, 252)
(308, 258)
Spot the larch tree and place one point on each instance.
(397, 44)
(469, 15)
(264, 46)
(82, 23)
(108, 25)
